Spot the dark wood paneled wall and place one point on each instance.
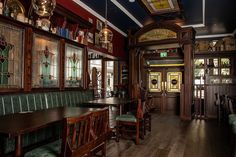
(211, 109)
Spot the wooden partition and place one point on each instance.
(146, 42)
(211, 109)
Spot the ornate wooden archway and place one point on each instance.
(159, 34)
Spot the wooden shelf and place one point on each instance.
(215, 53)
(14, 22)
(72, 17)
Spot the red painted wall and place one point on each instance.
(118, 39)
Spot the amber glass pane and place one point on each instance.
(45, 62)
(225, 62)
(155, 81)
(225, 71)
(73, 66)
(11, 60)
(174, 81)
(198, 73)
(199, 63)
(227, 80)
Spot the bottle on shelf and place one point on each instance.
(1, 8)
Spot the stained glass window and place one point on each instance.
(73, 66)
(11, 62)
(45, 62)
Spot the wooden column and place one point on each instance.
(62, 65)
(104, 72)
(133, 70)
(187, 36)
(85, 77)
(28, 59)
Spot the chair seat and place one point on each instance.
(234, 127)
(126, 118)
(232, 118)
(50, 150)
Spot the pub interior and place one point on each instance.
(117, 78)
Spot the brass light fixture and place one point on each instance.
(105, 35)
(44, 8)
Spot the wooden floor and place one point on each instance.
(171, 137)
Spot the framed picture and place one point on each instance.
(110, 48)
(96, 39)
(90, 37)
(99, 25)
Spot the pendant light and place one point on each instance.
(44, 8)
(105, 35)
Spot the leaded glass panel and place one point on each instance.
(11, 56)
(45, 62)
(225, 71)
(225, 62)
(73, 66)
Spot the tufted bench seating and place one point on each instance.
(15, 103)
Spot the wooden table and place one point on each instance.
(112, 101)
(15, 125)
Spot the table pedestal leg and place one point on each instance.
(18, 146)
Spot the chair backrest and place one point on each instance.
(76, 136)
(217, 99)
(149, 104)
(226, 104)
(99, 123)
(231, 109)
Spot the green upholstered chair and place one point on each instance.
(232, 115)
(125, 121)
(147, 117)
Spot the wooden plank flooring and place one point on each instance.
(171, 137)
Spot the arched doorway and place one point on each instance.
(160, 60)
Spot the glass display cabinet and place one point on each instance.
(73, 66)
(11, 56)
(45, 62)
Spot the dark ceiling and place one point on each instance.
(220, 16)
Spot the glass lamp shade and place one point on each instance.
(44, 8)
(105, 35)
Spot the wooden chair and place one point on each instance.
(225, 107)
(218, 105)
(124, 121)
(231, 107)
(147, 117)
(76, 140)
(99, 131)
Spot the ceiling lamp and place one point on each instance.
(44, 8)
(131, 0)
(105, 35)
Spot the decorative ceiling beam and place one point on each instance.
(127, 12)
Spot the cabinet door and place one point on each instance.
(73, 66)
(45, 62)
(11, 56)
